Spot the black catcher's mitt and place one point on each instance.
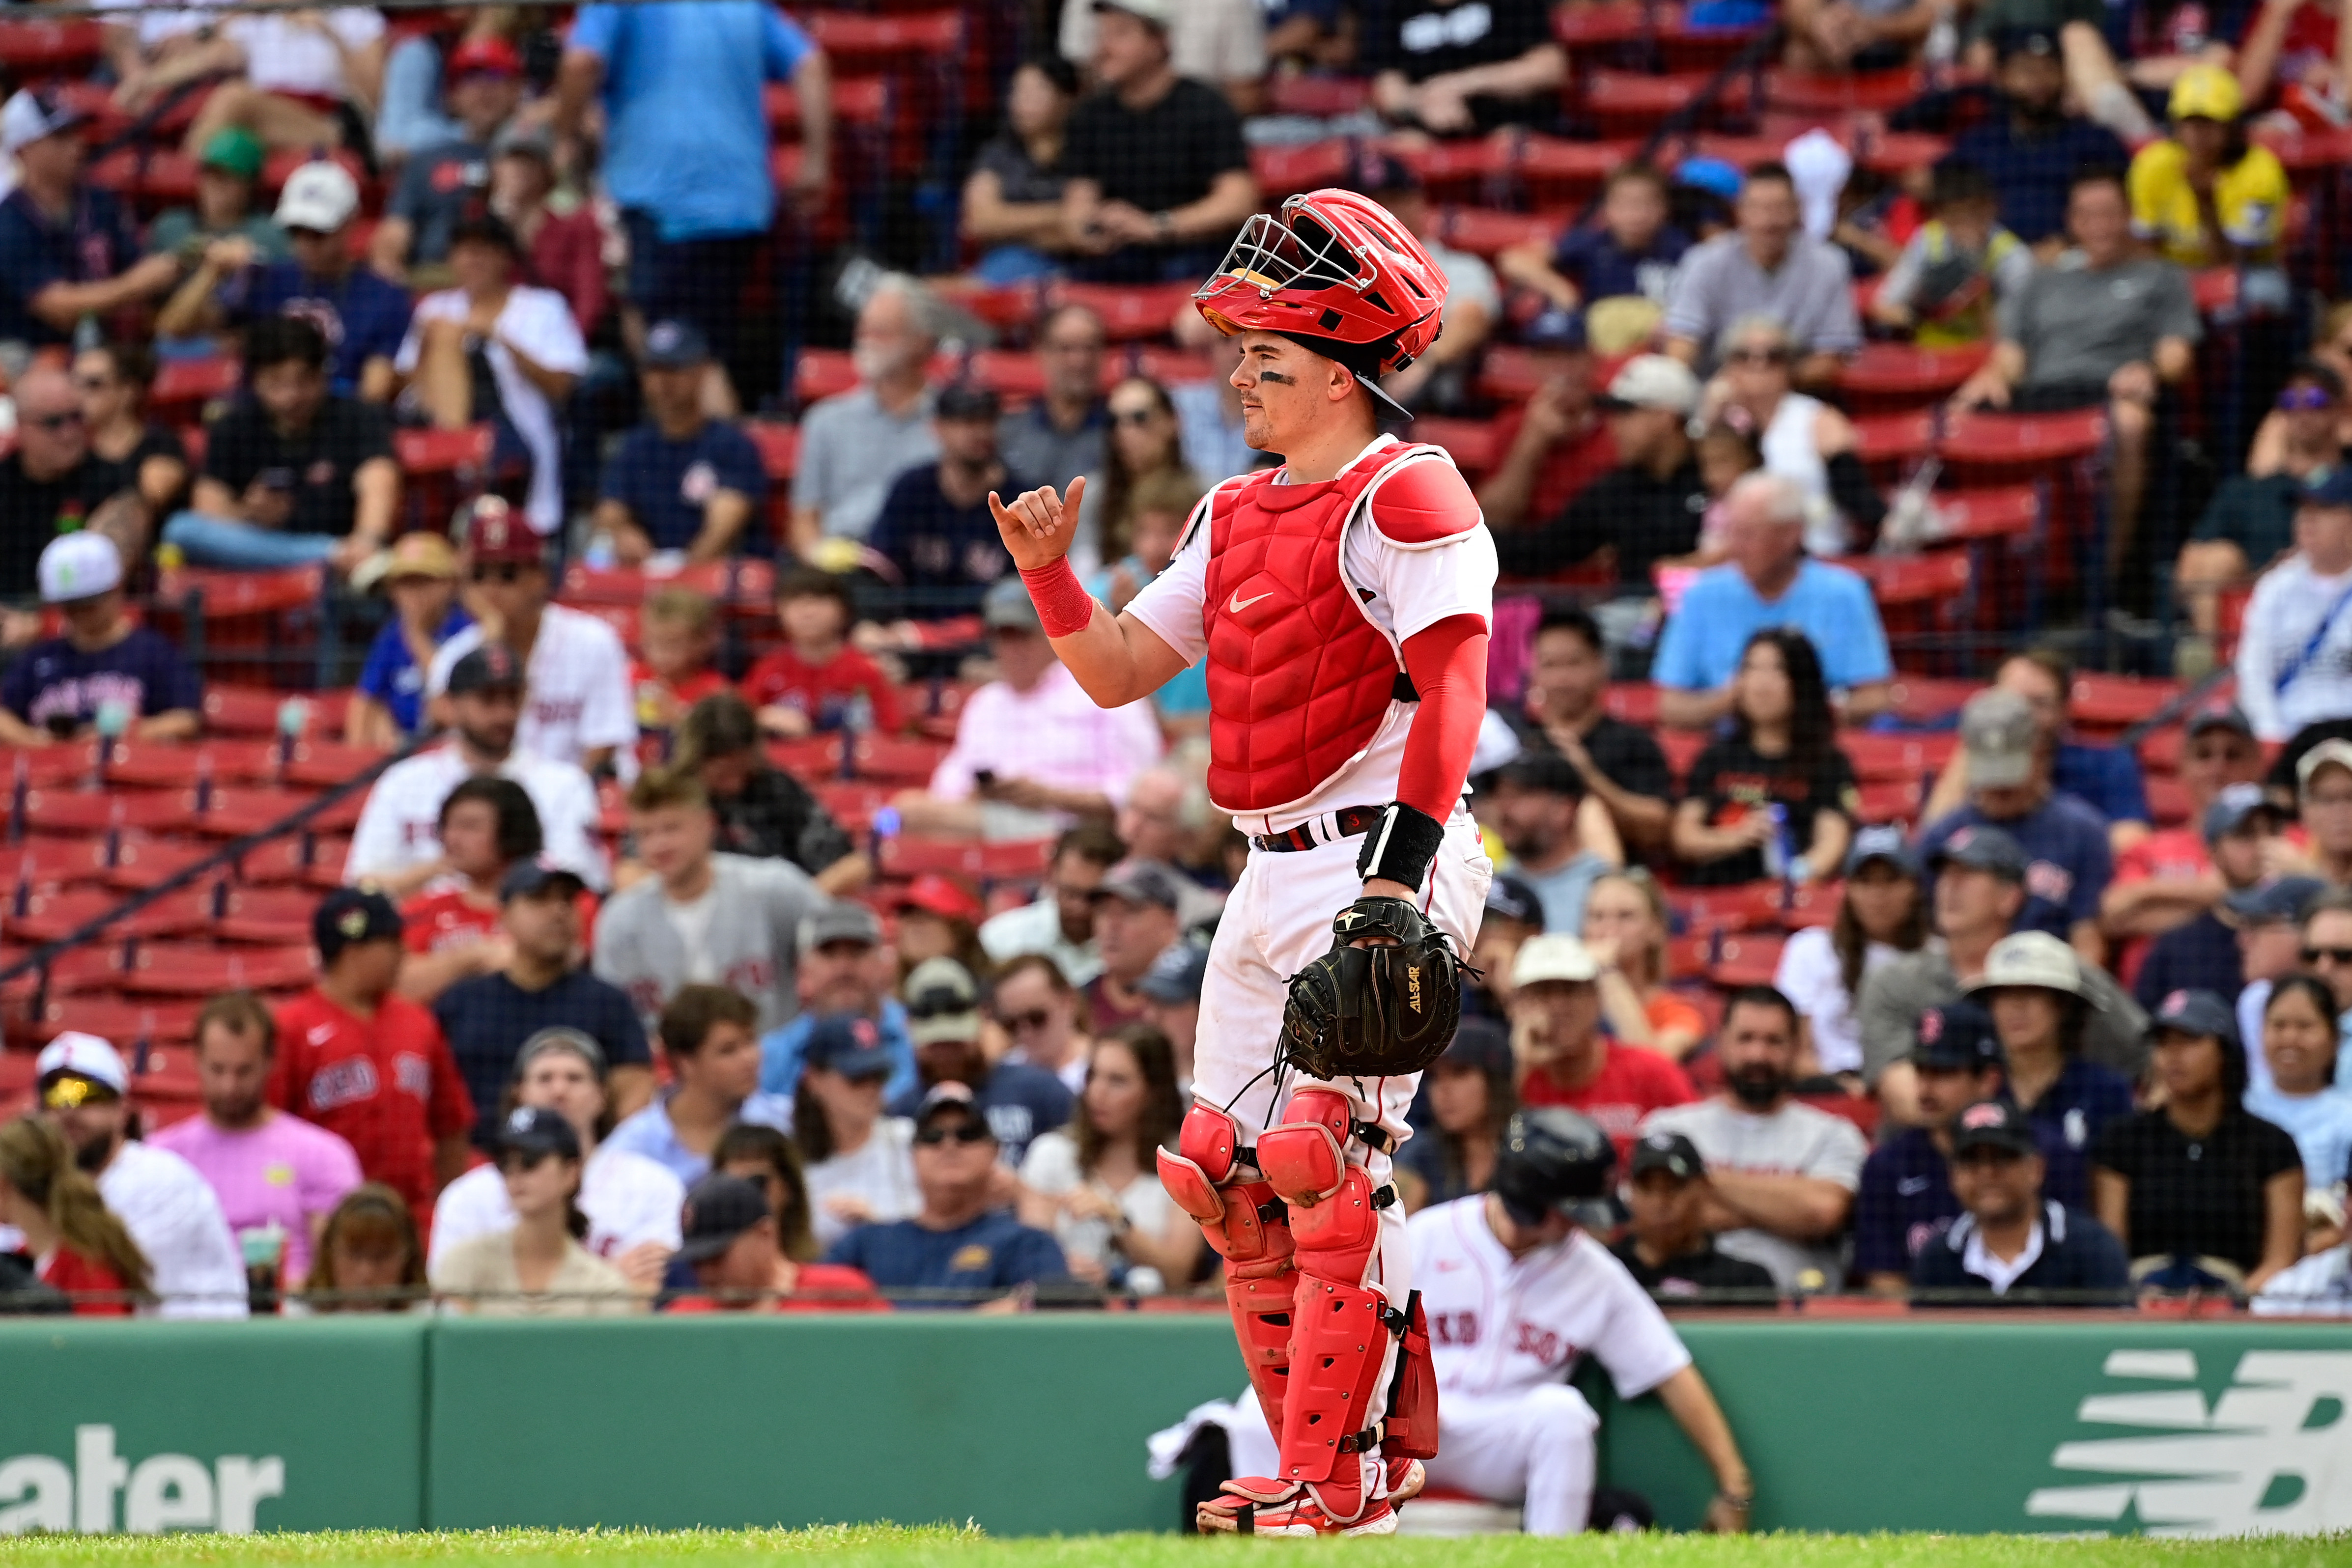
(1368, 1012)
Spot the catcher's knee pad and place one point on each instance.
(1240, 1218)
(1306, 1155)
(1337, 1235)
(1340, 1338)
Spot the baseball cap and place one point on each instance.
(964, 401)
(1142, 881)
(421, 554)
(1160, 13)
(530, 1130)
(2330, 753)
(1883, 843)
(1561, 331)
(1955, 1035)
(1999, 734)
(850, 1044)
(2194, 1012)
(2012, 41)
(80, 565)
(718, 1209)
(1992, 1124)
(1511, 897)
(483, 57)
(943, 1003)
(675, 346)
(2232, 806)
(1483, 1043)
(2328, 487)
(951, 1096)
(2033, 958)
(320, 196)
(34, 113)
(485, 228)
(936, 894)
(840, 922)
(560, 1037)
(528, 140)
(1379, 173)
(1545, 770)
(1653, 380)
(86, 1057)
(2221, 716)
(1982, 848)
(495, 535)
(2206, 92)
(233, 149)
(492, 666)
(525, 878)
(1007, 608)
(1713, 176)
(1177, 974)
(351, 915)
(1668, 1152)
(1554, 956)
(2279, 903)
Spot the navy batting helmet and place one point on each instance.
(1555, 1160)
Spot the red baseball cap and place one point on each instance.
(940, 895)
(496, 536)
(484, 57)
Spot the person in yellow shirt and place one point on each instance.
(2205, 197)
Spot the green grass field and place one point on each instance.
(940, 1546)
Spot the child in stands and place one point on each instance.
(814, 682)
(678, 636)
(1626, 261)
(1944, 286)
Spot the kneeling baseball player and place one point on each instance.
(1343, 603)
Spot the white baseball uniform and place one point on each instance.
(1278, 917)
(577, 696)
(1505, 1335)
(399, 825)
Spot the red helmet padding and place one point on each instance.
(1377, 285)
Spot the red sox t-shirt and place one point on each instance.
(387, 1084)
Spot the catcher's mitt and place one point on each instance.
(1369, 1012)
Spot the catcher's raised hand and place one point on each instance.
(1038, 525)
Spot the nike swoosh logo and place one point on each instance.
(1237, 604)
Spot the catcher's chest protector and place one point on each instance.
(1299, 678)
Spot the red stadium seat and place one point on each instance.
(34, 51)
(301, 859)
(1920, 699)
(1129, 312)
(223, 595)
(858, 45)
(272, 915)
(1286, 171)
(1889, 799)
(2114, 701)
(1635, 701)
(128, 1025)
(2168, 801)
(1878, 758)
(1884, 376)
(1748, 959)
(1471, 441)
(197, 969)
(1846, 93)
(2008, 511)
(1456, 171)
(1683, 47)
(1891, 440)
(54, 916)
(1898, 579)
(1595, 26)
(1173, 367)
(1484, 232)
(45, 862)
(1741, 908)
(1895, 153)
(322, 765)
(463, 453)
(778, 444)
(1317, 97)
(1813, 903)
(1559, 172)
(243, 710)
(881, 758)
(1629, 104)
(859, 101)
(2020, 445)
(140, 864)
(904, 856)
(1012, 374)
(182, 387)
(236, 813)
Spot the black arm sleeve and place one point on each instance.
(1857, 497)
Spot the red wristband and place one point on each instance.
(1064, 606)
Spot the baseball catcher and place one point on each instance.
(1342, 604)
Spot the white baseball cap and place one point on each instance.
(1160, 13)
(1553, 956)
(32, 114)
(84, 1056)
(319, 196)
(2032, 958)
(1653, 380)
(78, 565)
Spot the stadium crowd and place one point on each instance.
(754, 913)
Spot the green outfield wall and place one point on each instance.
(1036, 1425)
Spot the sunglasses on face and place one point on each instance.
(507, 573)
(2305, 399)
(1133, 415)
(2327, 955)
(1758, 356)
(1036, 1018)
(962, 1132)
(66, 420)
(93, 383)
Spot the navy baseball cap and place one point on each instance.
(1514, 899)
(525, 879)
(1883, 843)
(2329, 486)
(850, 1044)
(490, 667)
(1177, 974)
(1548, 771)
(2234, 806)
(1143, 881)
(1993, 1124)
(2221, 716)
(351, 915)
(2196, 1013)
(675, 346)
(1483, 1043)
(1669, 1152)
(1559, 329)
(2025, 41)
(1980, 848)
(966, 399)
(2276, 902)
(1380, 174)
(718, 1209)
(537, 1132)
(1958, 1037)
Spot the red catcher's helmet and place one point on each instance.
(1336, 271)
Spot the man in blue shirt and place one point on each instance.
(682, 480)
(935, 526)
(841, 974)
(2030, 147)
(1019, 1101)
(2240, 831)
(2013, 1238)
(2104, 778)
(66, 250)
(1907, 1198)
(1769, 581)
(2068, 862)
(686, 141)
(59, 689)
(961, 1241)
(362, 314)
